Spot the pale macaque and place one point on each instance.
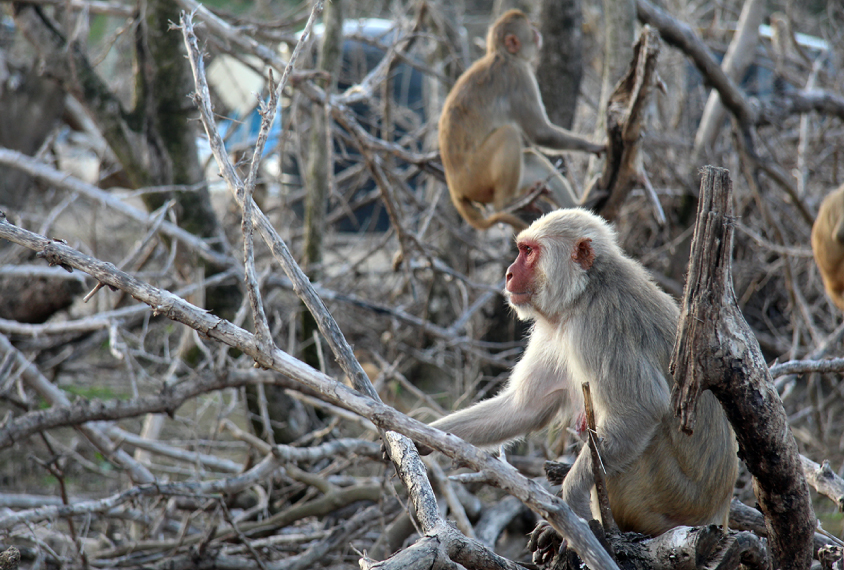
(828, 245)
(494, 106)
(599, 318)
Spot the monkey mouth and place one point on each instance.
(519, 297)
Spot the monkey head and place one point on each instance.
(556, 260)
(513, 34)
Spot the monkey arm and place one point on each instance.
(552, 136)
(838, 230)
(531, 116)
(506, 416)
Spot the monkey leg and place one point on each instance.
(538, 169)
(828, 247)
(489, 174)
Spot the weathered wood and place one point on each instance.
(556, 471)
(743, 517)
(831, 557)
(686, 548)
(825, 480)
(716, 350)
(495, 519)
(386, 418)
(681, 548)
(10, 559)
(625, 119)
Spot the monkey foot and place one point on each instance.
(545, 544)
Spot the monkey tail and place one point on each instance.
(476, 219)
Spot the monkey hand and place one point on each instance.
(545, 544)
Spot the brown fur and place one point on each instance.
(494, 106)
(828, 245)
(599, 318)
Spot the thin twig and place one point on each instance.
(598, 470)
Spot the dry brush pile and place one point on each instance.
(142, 431)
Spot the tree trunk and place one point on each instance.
(170, 84)
(154, 141)
(320, 166)
(739, 56)
(561, 59)
(619, 35)
(716, 350)
(31, 107)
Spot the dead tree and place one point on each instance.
(716, 350)
(623, 169)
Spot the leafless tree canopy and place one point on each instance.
(164, 402)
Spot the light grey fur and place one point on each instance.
(611, 326)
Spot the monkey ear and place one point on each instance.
(512, 43)
(583, 253)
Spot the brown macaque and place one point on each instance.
(494, 106)
(828, 245)
(599, 318)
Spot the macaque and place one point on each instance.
(828, 245)
(599, 318)
(492, 109)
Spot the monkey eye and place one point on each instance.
(527, 250)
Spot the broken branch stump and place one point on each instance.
(716, 350)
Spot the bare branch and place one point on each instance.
(804, 366)
(551, 508)
(41, 171)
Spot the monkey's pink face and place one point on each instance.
(521, 273)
